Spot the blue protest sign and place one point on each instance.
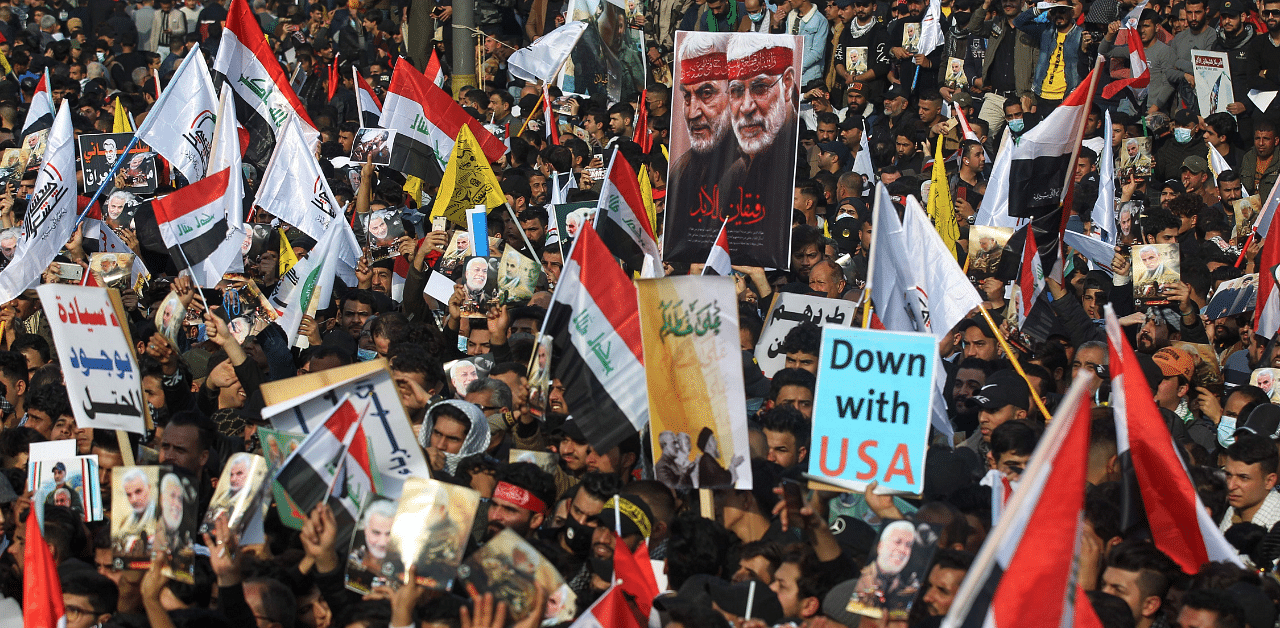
(871, 408)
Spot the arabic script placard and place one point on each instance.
(790, 309)
(98, 366)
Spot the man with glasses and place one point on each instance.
(705, 91)
(1265, 49)
(762, 106)
(88, 598)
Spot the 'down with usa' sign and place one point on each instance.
(871, 409)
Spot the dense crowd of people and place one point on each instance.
(873, 113)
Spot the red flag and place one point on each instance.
(1140, 73)
(549, 114)
(433, 71)
(1266, 317)
(333, 76)
(634, 574)
(41, 588)
(642, 136)
(1179, 524)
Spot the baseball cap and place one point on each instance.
(838, 148)
(1184, 117)
(844, 4)
(897, 91)
(1233, 7)
(1196, 164)
(858, 87)
(962, 99)
(851, 121)
(1004, 388)
(628, 512)
(733, 598)
(1264, 420)
(1174, 362)
(570, 429)
(835, 604)
(1175, 185)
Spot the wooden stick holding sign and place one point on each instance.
(1035, 396)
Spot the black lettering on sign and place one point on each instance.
(843, 355)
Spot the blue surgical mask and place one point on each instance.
(1016, 125)
(1181, 135)
(756, 17)
(1227, 430)
(366, 355)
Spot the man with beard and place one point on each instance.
(762, 104)
(864, 31)
(1057, 72)
(238, 471)
(1162, 326)
(372, 555)
(1196, 36)
(706, 115)
(1263, 50)
(1226, 337)
(674, 467)
(520, 499)
(887, 587)
(1234, 35)
(133, 536)
(971, 376)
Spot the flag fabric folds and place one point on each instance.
(1040, 161)
(180, 126)
(427, 120)
(41, 113)
(595, 325)
(1139, 72)
(51, 213)
(541, 61)
(942, 210)
(1030, 278)
(42, 605)
(265, 100)
(1025, 573)
(434, 72)
(366, 101)
(308, 286)
(623, 223)
(467, 182)
(718, 260)
(1180, 526)
(193, 223)
(1104, 209)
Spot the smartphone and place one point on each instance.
(70, 273)
(563, 106)
(439, 223)
(793, 495)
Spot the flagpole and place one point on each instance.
(532, 252)
(1017, 366)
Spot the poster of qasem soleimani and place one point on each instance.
(733, 146)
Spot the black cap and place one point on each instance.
(1264, 420)
(897, 91)
(838, 148)
(1184, 117)
(1004, 388)
(732, 598)
(1233, 7)
(571, 429)
(851, 121)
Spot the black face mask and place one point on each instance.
(577, 537)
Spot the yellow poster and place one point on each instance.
(693, 368)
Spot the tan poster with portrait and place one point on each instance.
(986, 247)
(1155, 268)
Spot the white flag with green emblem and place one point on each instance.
(308, 286)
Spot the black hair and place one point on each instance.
(51, 399)
(953, 559)
(598, 485)
(791, 377)
(1255, 449)
(697, 546)
(394, 326)
(806, 235)
(360, 295)
(17, 440)
(13, 365)
(31, 341)
(409, 357)
(517, 186)
(787, 419)
(205, 429)
(1230, 615)
(1156, 571)
(328, 351)
(1157, 220)
(1016, 437)
(803, 338)
(1112, 612)
(101, 592)
(529, 477)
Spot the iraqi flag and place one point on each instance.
(718, 261)
(1013, 583)
(332, 466)
(434, 72)
(51, 213)
(1030, 278)
(595, 323)
(193, 223)
(549, 117)
(308, 286)
(1041, 160)
(180, 125)
(41, 587)
(1262, 226)
(1139, 72)
(366, 100)
(641, 136)
(1104, 209)
(1180, 526)
(426, 121)
(264, 98)
(41, 112)
(623, 223)
(610, 611)
(1266, 317)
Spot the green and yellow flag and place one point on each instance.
(122, 123)
(942, 210)
(468, 181)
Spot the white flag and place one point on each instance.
(180, 125)
(51, 213)
(994, 210)
(1104, 209)
(541, 60)
(308, 286)
(931, 29)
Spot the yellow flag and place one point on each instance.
(123, 123)
(468, 181)
(413, 189)
(4, 64)
(942, 210)
(287, 257)
(646, 197)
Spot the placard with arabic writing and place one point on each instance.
(101, 376)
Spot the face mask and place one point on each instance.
(577, 537)
(365, 355)
(101, 57)
(1181, 135)
(1016, 125)
(1227, 430)
(756, 17)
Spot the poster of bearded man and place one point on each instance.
(733, 146)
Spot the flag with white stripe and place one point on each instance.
(434, 72)
(595, 325)
(427, 120)
(193, 223)
(718, 260)
(623, 223)
(265, 100)
(308, 286)
(367, 100)
(1026, 572)
(1179, 523)
(994, 210)
(1040, 161)
(40, 114)
(1139, 71)
(1030, 278)
(1104, 209)
(180, 125)
(51, 213)
(1266, 316)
